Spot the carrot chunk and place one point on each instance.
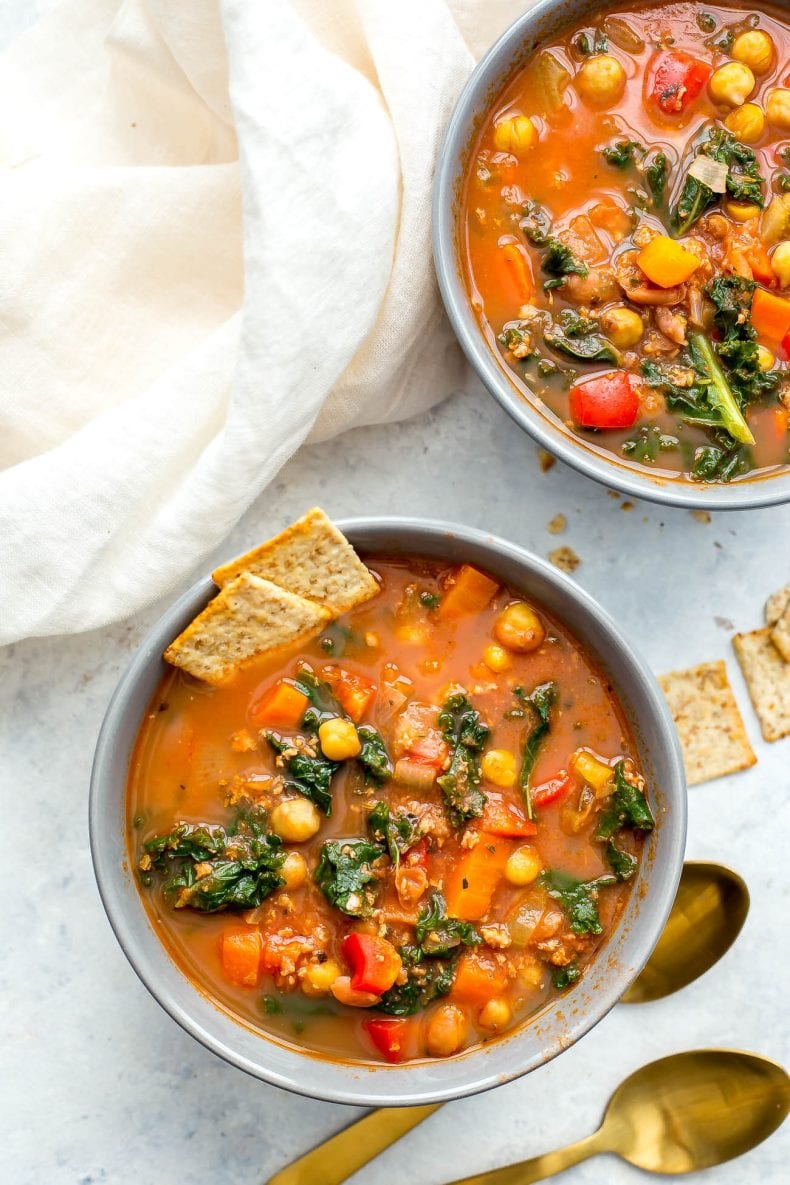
(474, 879)
(282, 706)
(478, 978)
(770, 315)
(355, 693)
(469, 593)
(517, 273)
(240, 954)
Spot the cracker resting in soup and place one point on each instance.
(625, 231)
(401, 838)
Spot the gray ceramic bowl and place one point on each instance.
(543, 21)
(557, 1027)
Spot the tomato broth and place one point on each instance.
(504, 762)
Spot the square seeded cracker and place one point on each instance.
(780, 634)
(311, 558)
(247, 618)
(768, 678)
(776, 605)
(709, 724)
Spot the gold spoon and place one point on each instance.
(677, 1115)
(708, 912)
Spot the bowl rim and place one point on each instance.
(475, 98)
(365, 1084)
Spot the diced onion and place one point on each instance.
(712, 173)
(624, 37)
(417, 775)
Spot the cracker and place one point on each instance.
(768, 678)
(247, 618)
(780, 634)
(776, 605)
(312, 559)
(709, 724)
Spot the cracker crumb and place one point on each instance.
(564, 558)
(627, 506)
(613, 493)
(547, 461)
(557, 525)
(702, 516)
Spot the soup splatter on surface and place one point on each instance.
(403, 837)
(626, 235)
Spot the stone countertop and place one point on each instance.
(100, 1085)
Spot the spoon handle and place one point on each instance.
(524, 1172)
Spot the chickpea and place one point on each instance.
(746, 122)
(497, 659)
(446, 1032)
(343, 992)
(294, 870)
(319, 977)
(499, 767)
(732, 84)
(765, 358)
(295, 820)
(777, 108)
(780, 263)
(523, 866)
(516, 134)
(339, 739)
(623, 326)
(495, 1015)
(741, 211)
(519, 628)
(601, 81)
(755, 49)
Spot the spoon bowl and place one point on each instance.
(692, 1110)
(708, 913)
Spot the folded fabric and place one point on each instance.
(215, 233)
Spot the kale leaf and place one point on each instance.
(466, 733)
(559, 262)
(656, 175)
(344, 874)
(563, 977)
(732, 298)
(439, 935)
(627, 807)
(690, 403)
(212, 868)
(426, 980)
(720, 394)
(744, 181)
(323, 704)
(721, 462)
(622, 863)
(622, 153)
(647, 442)
(577, 336)
(308, 773)
(373, 756)
(539, 702)
(536, 223)
(399, 830)
(577, 898)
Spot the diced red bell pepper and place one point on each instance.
(375, 963)
(552, 790)
(676, 80)
(786, 345)
(501, 817)
(608, 401)
(388, 1036)
(354, 692)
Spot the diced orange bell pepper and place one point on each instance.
(501, 817)
(240, 954)
(770, 315)
(282, 706)
(474, 878)
(666, 262)
(479, 978)
(469, 593)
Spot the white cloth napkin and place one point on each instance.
(214, 243)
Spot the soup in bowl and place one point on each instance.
(430, 844)
(612, 233)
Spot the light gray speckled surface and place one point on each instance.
(99, 1085)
